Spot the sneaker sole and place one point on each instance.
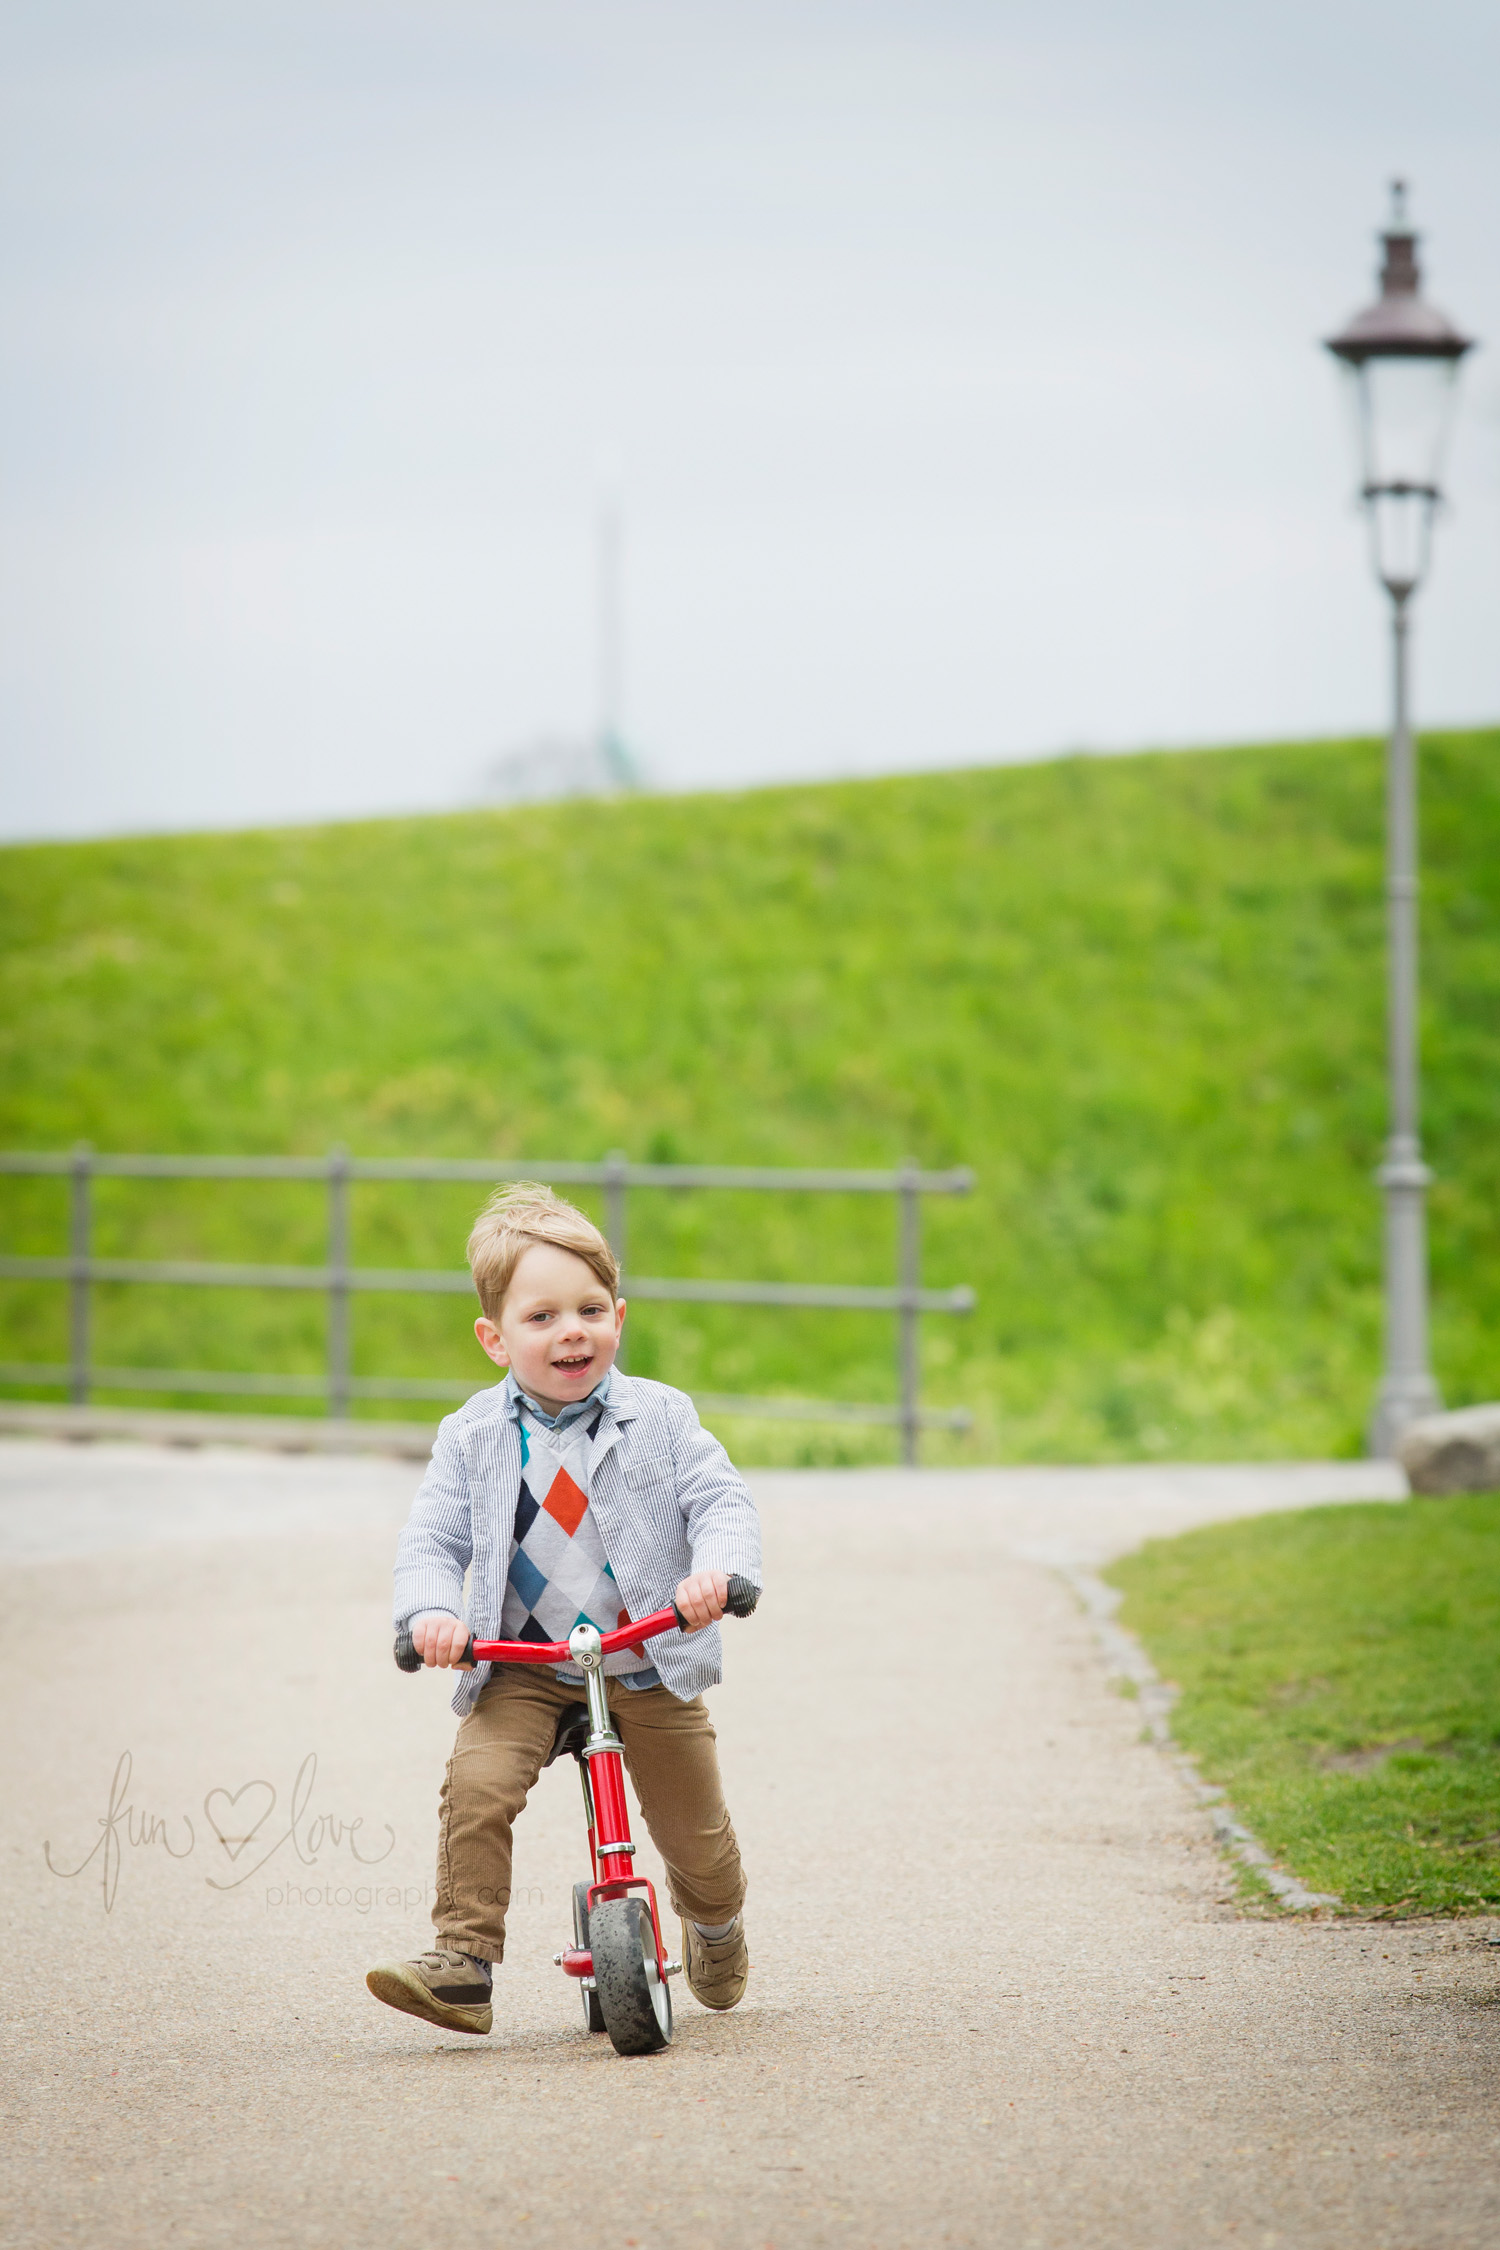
(398, 1988)
(719, 2007)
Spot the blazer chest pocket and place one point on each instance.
(651, 1496)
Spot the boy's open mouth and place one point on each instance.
(571, 1365)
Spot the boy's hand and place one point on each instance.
(441, 1641)
(701, 1598)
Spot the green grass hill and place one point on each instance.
(1142, 997)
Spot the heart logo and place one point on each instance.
(235, 1827)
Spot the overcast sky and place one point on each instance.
(958, 361)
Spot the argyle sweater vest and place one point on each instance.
(559, 1574)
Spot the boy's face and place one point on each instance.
(558, 1330)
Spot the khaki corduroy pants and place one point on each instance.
(671, 1758)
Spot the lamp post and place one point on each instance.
(1402, 359)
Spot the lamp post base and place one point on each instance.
(1400, 1401)
(1407, 1389)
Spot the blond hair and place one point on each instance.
(516, 1218)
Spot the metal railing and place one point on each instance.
(339, 1280)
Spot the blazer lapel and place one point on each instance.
(620, 1406)
(492, 1532)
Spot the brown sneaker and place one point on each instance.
(717, 1969)
(443, 1988)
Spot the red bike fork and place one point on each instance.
(588, 1815)
(610, 1846)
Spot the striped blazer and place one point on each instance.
(667, 1498)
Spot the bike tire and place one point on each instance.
(636, 2000)
(593, 2014)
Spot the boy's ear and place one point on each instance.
(491, 1342)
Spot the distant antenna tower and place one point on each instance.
(614, 758)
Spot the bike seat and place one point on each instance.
(572, 1732)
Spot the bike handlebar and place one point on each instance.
(739, 1602)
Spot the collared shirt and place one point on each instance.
(515, 1398)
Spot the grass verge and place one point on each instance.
(1340, 1677)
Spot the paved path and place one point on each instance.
(1001, 1994)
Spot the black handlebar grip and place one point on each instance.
(406, 1653)
(738, 1602)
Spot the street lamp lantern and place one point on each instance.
(1402, 355)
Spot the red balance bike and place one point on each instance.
(617, 1953)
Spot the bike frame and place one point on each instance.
(611, 1852)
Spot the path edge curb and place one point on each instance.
(1127, 1659)
(271, 1433)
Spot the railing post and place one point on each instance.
(338, 1283)
(908, 1343)
(80, 1244)
(615, 1192)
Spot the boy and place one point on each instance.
(569, 1491)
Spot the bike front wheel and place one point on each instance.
(633, 1994)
